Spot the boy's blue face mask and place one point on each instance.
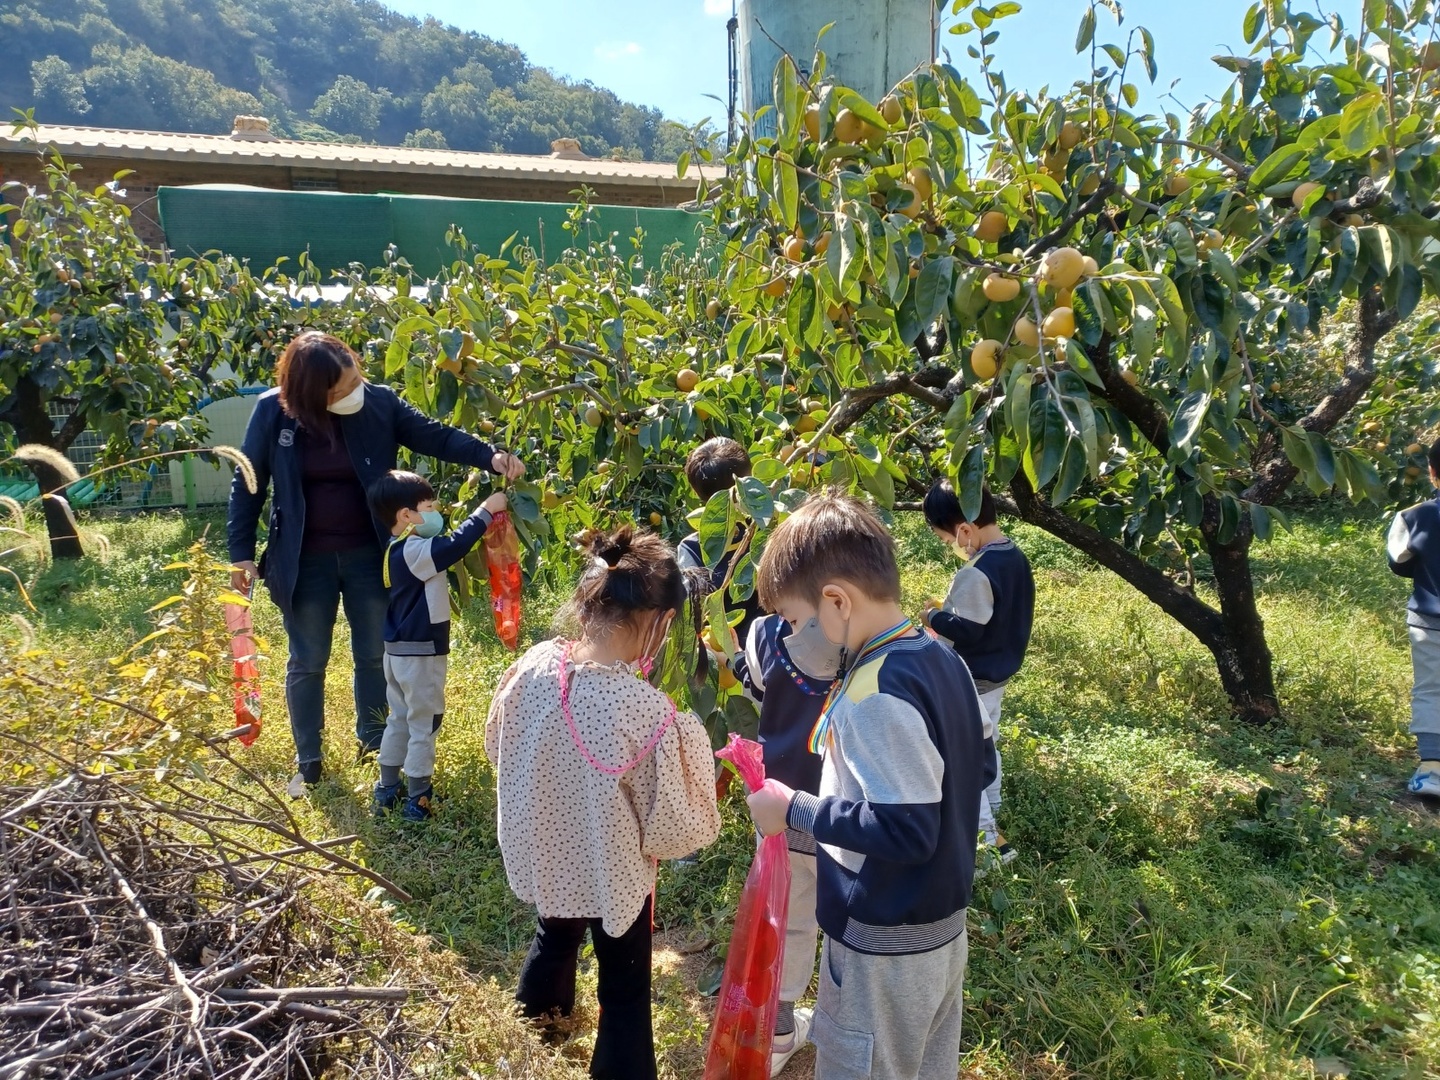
(432, 523)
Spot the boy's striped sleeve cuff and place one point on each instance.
(803, 808)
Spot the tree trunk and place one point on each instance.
(1243, 656)
(1235, 635)
(32, 424)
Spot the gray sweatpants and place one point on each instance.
(990, 798)
(1425, 696)
(889, 1017)
(415, 689)
(801, 930)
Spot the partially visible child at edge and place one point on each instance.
(905, 760)
(987, 616)
(598, 778)
(417, 631)
(1413, 548)
(789, 676)
(712, 467)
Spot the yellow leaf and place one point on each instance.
(232, 598)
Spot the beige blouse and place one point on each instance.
(579, 842)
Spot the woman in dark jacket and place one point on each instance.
(322, 437)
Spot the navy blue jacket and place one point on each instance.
(790, 704)
(994, 650)
(373, 436)
(417, 622)
(899, 804)
(1413, 549)
(689, 554)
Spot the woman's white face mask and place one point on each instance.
(351, 403)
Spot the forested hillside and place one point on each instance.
(349, 70)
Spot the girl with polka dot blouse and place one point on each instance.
(599, 777)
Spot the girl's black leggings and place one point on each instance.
(624, 1043)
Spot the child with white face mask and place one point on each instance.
(417, 630)
(599, 777)
(987, 616)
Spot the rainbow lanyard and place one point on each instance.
(820, 733)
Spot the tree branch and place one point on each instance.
(1274, 473)
(1090, 206)
(1137, 406)
(1176, 601)
(69, 431)
(1238, 168)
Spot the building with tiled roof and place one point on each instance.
(252, 156)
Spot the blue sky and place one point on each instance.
(670, 53)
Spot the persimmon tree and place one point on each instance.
(1098, 312)
(99, 332)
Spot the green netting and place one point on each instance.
(263, 225)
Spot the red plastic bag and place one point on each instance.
(502, 557)
(744, 1024)
(246, 675)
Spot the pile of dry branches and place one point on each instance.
(147, 938)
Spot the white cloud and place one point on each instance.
(618, 50)
(717, 7)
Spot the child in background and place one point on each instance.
(598, 777)
(1413, 548)
(714, 466)
(905, 760)
(791, 691)
(986, 616)
(417, 630)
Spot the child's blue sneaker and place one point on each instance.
(1426, 780)
(417, 806)
(385, 798)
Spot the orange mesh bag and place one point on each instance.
(502, 558)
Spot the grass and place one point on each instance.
(1193, 897)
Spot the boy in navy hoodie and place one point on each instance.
(417, 630)
(986, 616)
(904, 761)
(791, 694)
(1413, 548)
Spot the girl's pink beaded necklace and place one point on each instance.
(608, 770)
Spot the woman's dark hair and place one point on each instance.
(631, 571)
(1434, 456)
(308, 370)
(395, 491)
(942, 508)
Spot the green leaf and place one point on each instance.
(785, 88)
(1086, 34)
(1048, 435)
(1278, 167)
(1079, 360)
(1017, 404)
(1251, 26)
(1189, 416)
(1183, 243)
(845, 98)
(802, 312)
(1071, 476)
(788, 195)
(755, 499)
(972, 481)
(716, 529)
(932, 289)
(1297, 449)
(1362, 124)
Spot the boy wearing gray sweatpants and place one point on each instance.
(417, 631)
(1413, 548)
(904, 762)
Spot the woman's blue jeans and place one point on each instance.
(326, 580)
